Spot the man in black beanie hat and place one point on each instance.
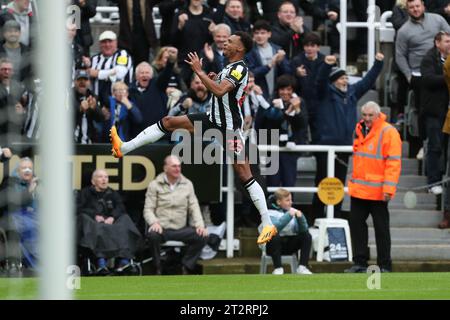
(337, 116)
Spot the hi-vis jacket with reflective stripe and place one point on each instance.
(376, 161)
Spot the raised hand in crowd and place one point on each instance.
(301, 71)
(257, 90)
(209, 53)
(173, 54)
(187, 103)
(379, 56)
(99, 218)
(33, 184)
(332, 15)
(182, 18)
(6, 153)
(294, 105)
(331, 60)
(20, 109)
(86, 61)
(297, 24)
(109, 220)
(277, 58)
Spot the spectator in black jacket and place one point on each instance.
(434, 102)
(191, 29)
(234, 16)
(441, 7)
(288, 30)
(306, 69)
(86, 110)
(12, 104)
(167, 11)
(84, 34)
(104, 227)
(137, 32)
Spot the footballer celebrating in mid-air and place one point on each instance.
(228, 89)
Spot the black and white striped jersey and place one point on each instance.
(227, 111)
(121, 61)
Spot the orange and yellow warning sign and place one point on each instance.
(331, 191)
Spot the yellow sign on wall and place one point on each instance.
(331, 191)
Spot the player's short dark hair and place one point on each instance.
(311, 38)
(262, 25)
(246, 40)
(286, 80)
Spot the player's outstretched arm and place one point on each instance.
(218, 89)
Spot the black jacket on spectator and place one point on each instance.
(434, 95)
(288, 39)
(11, 121)
(84, 34)
(295, 127)
(91, 116)
(306, 86)
(438, 6)
(399, 17)
(167, 11)
(237, 25)
(127, 31)
(192, 37)
(121, 239)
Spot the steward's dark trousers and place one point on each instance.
(359, 212)
(188, 235)
(285, 245)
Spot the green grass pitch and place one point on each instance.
(247, 287)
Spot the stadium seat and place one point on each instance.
(165, 247)
(266, 259)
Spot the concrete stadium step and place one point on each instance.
(251, 266)
(418, 236)
(425, 201)
(412, 218)
(423, 252)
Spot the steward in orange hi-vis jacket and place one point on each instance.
(377, 150)
(376, 161)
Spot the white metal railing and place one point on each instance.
(110, 15)
(371, 24)
(229, 189)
